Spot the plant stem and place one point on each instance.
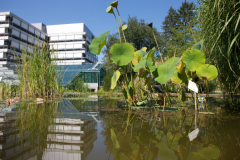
(118, 28)
(121, 25)
(157, 44)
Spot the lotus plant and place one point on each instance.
(178, 70)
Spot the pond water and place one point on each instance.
(77, 129)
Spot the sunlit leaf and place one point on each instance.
(166, 71)
(151, 53)
(122, 53)
(207, 71)
(115, 78)
(114, 139)
(97, 43)
(193, 59)
(198, 45)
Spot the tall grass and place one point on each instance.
(220, 28)
(38, 74)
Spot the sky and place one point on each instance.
(91, 12)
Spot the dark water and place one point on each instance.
(92, 130)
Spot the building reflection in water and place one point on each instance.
(70, 135)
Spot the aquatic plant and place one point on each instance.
(143, 65)
(38, 74)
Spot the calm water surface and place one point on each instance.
(91, 130)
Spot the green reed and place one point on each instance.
(38, 74)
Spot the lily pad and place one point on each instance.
(97, 43)
(193, 59)
(122, 53)
(207, 71)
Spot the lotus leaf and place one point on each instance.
(207, 71)
(97, 43)
(122, 53)
(167, 71)
(115, 78)
(198, 45)
(151, 53)
(193, 59)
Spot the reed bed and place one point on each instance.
(38, 74)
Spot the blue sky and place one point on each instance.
(91, 12)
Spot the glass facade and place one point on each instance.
(89, 77)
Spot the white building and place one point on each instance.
(69, 41)
(17, 35)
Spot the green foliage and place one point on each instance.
(177, 33)
(122, 53)
(166, 71)
(77, 84)
(38, 74)
(97, 43)
(115, 78)
(193, 59)
(178, 70)
(220, 29)
(207, 71)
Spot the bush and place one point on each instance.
(77, 84)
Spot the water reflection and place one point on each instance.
(78, 129)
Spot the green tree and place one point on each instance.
(177, 33)
(77, 84)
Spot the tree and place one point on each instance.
(177, 32)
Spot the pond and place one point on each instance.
(89, 129)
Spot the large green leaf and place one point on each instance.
(122, 53)
(193, 59)
(194, 156)
(114, 79)
(207, 71)
(141, 64)
(166, 71)
(138, 55)
(97, 43)
(198, 45)
(114, 139)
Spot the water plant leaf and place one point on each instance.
(125, 27)
(183, 95)
(166, 71)
(180, 78)
(151, 53)
(122, 53)
(150, 65)
(109, 9)
(97, 43)
(114, 139)
(193, 59)
(198, 45)
(207, 71)
(141, 64)
(174, 60)
(115, 78)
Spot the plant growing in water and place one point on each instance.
(190, 66)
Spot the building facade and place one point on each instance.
(68, 41)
